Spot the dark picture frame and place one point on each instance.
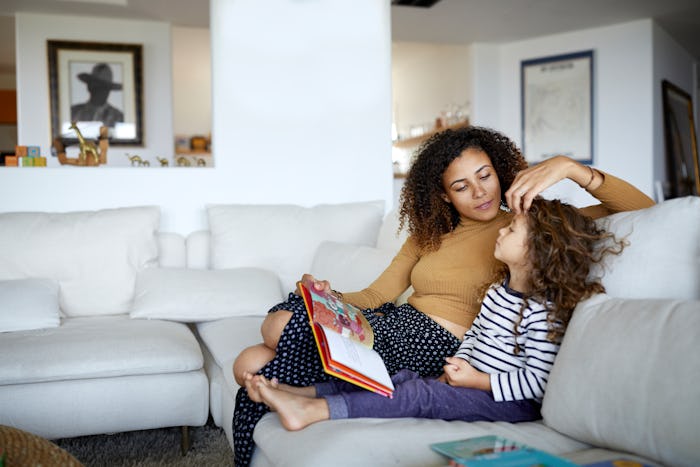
(557, 107)
(80, 75)
(682, 163)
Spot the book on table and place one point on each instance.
(492, 450)
(344, 339)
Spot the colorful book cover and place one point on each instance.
(492, 450)
(344, 339)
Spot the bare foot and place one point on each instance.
(295, 411)
(253, 381)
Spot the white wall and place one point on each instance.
(301, 100)
(191, 81)
(623, 98)
(301, 112)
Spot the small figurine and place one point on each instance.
(90, 153)
(201, 162)
(182, 161)
(163, 161)
(135, 160)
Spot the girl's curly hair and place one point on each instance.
(423, 210)
(562, 246)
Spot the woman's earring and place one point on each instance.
(504, 207)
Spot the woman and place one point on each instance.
(453, 203)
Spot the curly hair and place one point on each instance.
(562, 245)
(423, 210)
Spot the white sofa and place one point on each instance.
(72, 361)
(626, 380)
(626, 383)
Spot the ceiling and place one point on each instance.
(448, 21)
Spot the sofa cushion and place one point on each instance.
(98, 347)
(193, 295)
(94, 255)
(283, 238)
(662, 259)
(28, 304)
(626, 378)
(383, 442)
(349, 267)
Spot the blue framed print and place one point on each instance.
(557, 107)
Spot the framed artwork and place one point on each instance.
(682, 163)
(96, 84)
(557, 107)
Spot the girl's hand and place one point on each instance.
(319, 286)
(534, 180)
(460, 373)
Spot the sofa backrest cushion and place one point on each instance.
(283, 238)
(662, 259)
(627, 378)
(349, 268)
(196, 295)
(93, 255)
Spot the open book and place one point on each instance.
(344, 339)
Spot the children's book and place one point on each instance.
(344, 339)
(490, 451)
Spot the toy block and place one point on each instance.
(27, 161)
(39, 162)
(21, 151)
(33, 151)
(10, 161)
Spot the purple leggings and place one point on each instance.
(423, 398)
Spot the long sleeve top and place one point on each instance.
(489, 345)
(447, 282)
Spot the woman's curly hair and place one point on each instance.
(423, 210)
(562, 245)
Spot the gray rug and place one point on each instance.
(152, 448)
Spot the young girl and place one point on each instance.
(500, 371)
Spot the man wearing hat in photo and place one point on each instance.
(99, 84)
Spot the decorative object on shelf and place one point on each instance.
(682, 162)
(201, 162)
(137, 161)
(96, 84)
(182, 161)
(91, 154)
(24, 156)
(557, 107)
(198, 143)
(163, 161)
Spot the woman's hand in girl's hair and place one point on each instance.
(460, 373)
(534, 180)
(319, 286)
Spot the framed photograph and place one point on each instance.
(557, 107)
(96, 84)
(682, 163)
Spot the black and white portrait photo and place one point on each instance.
(96, 93)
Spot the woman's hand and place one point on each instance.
(319, 286)
(460, 373)
(534, 180)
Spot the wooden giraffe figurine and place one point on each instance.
(87, 148)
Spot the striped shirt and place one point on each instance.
(489, 345)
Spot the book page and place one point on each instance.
(357, 357)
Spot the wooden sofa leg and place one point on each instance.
(184, 440)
